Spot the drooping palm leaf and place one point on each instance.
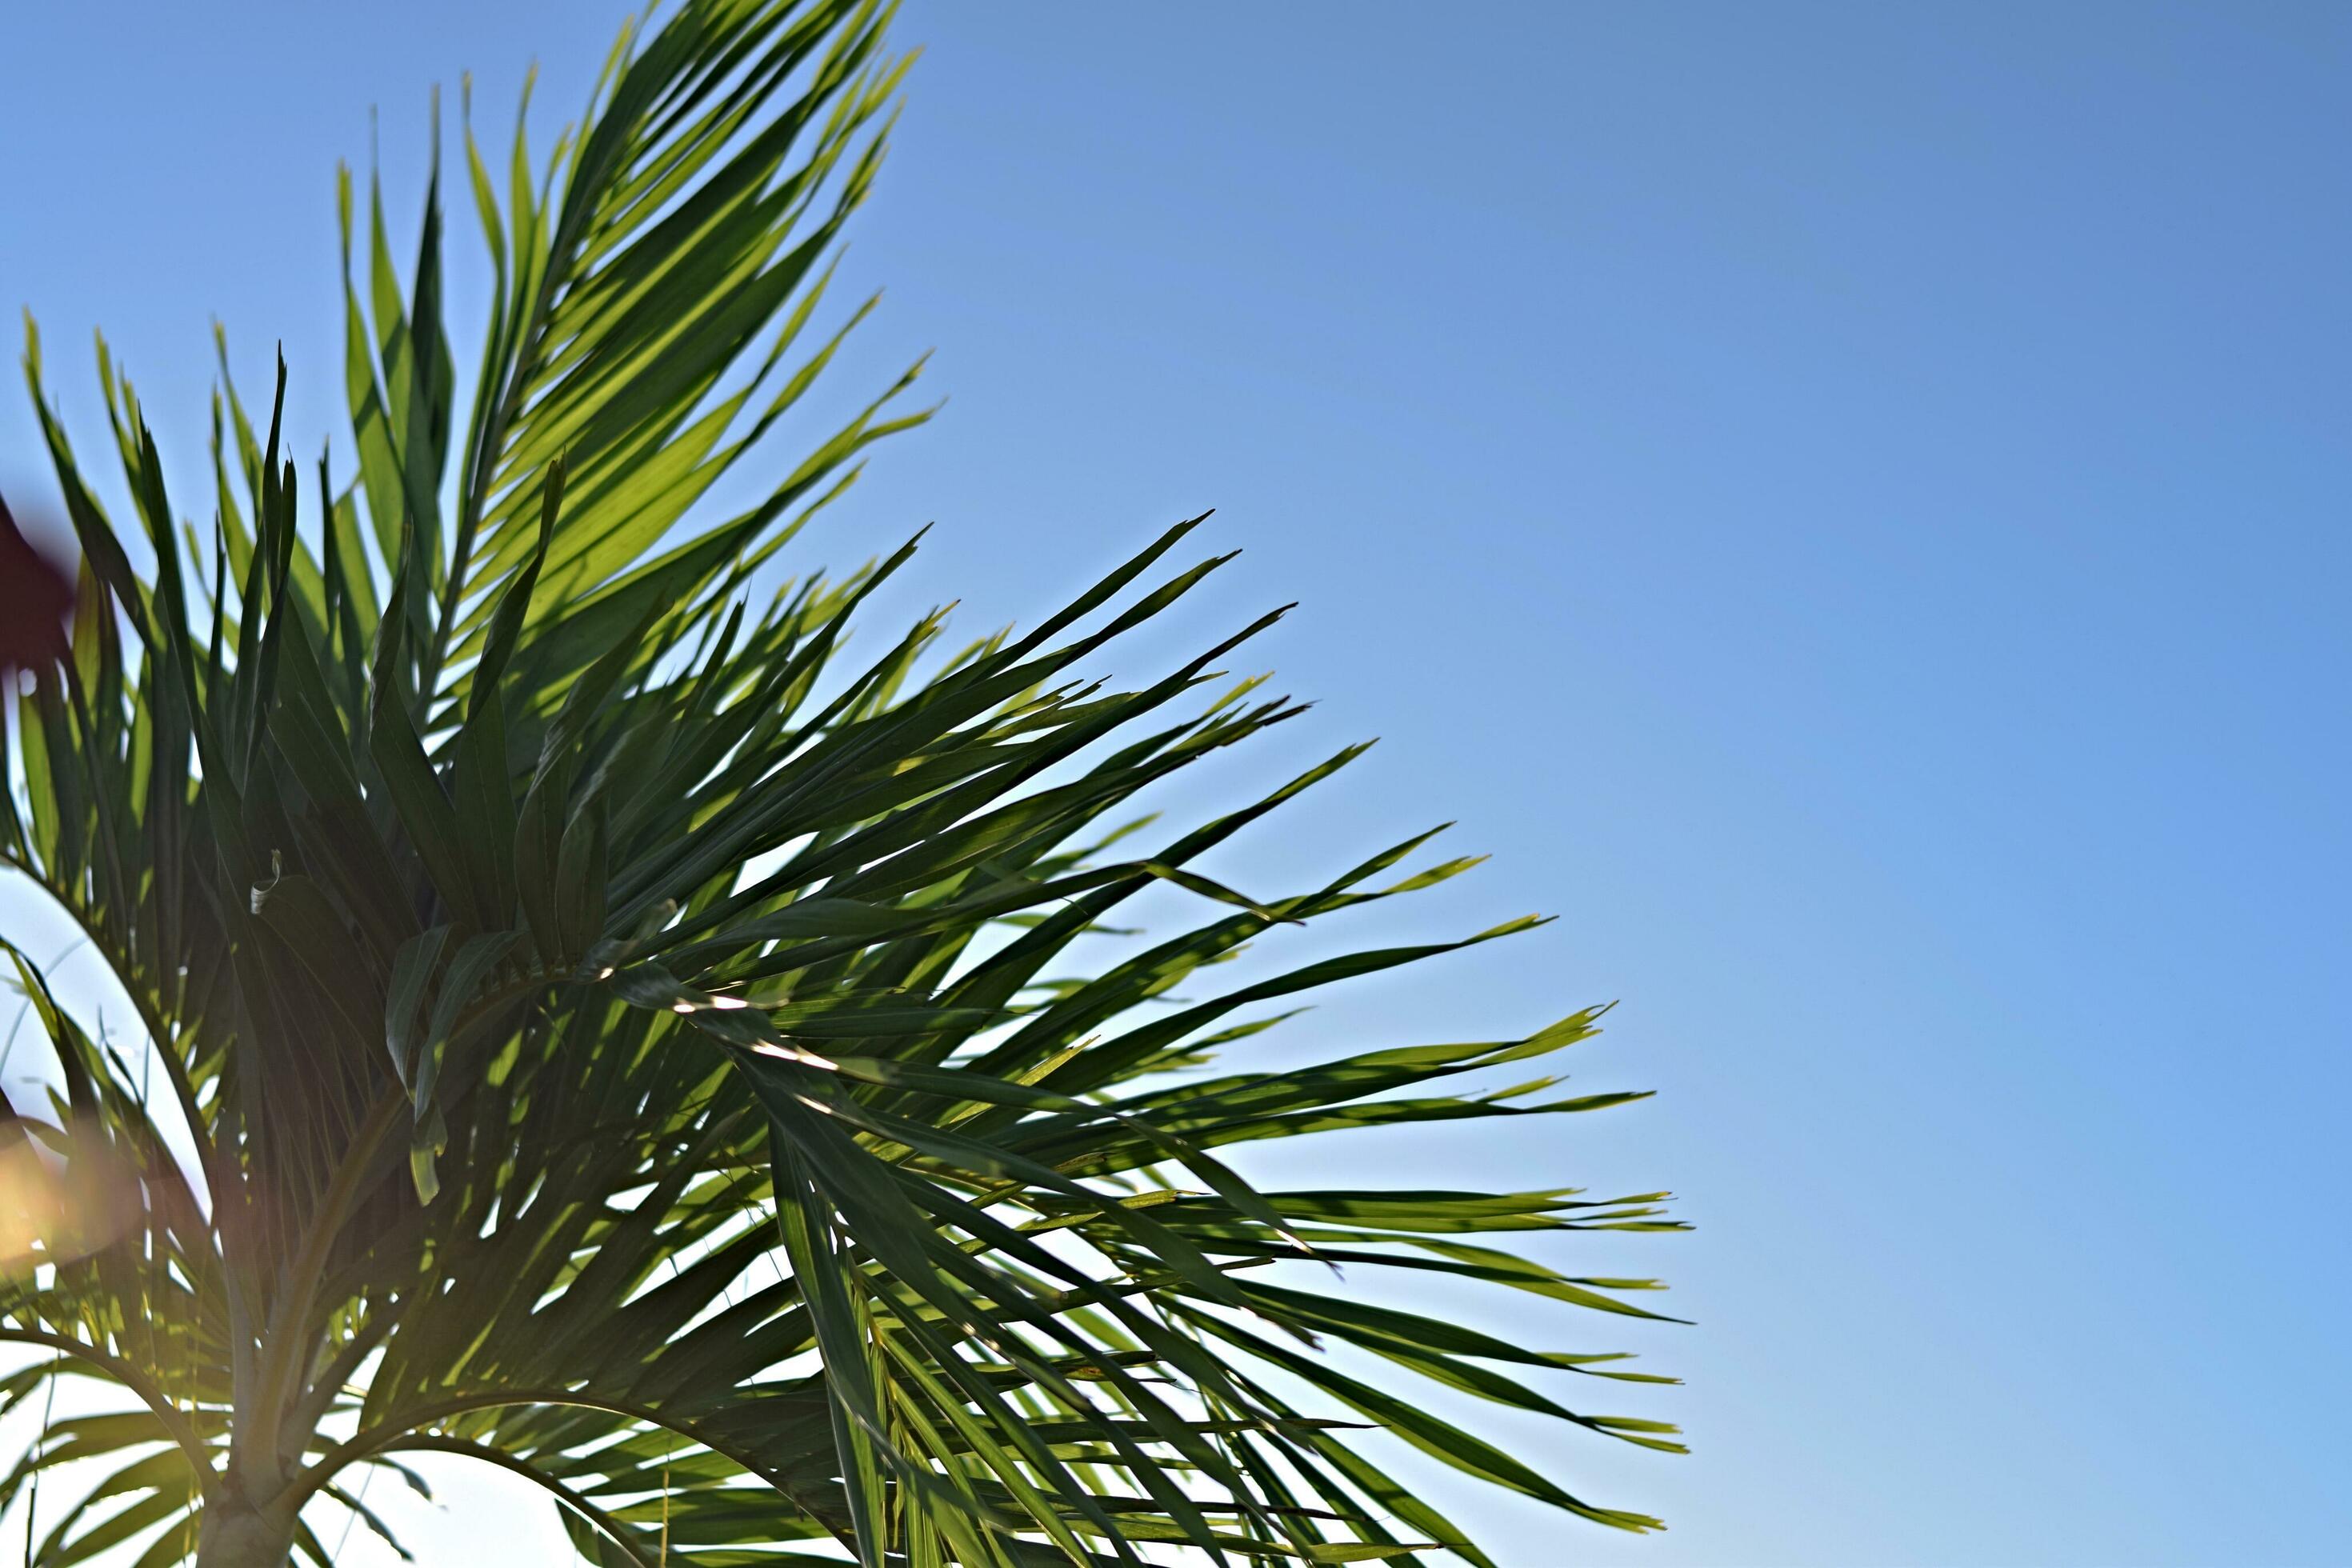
(619, 1035)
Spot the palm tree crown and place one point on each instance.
(620, 1038)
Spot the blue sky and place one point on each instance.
(1844, 501)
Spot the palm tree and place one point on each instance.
(618, 1038)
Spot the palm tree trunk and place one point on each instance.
(235, 1535)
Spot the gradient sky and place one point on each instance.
(1834, 497)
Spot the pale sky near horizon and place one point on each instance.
(1834, 497)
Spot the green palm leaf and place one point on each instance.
(621, 1039)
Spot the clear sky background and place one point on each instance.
(1846, 502)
